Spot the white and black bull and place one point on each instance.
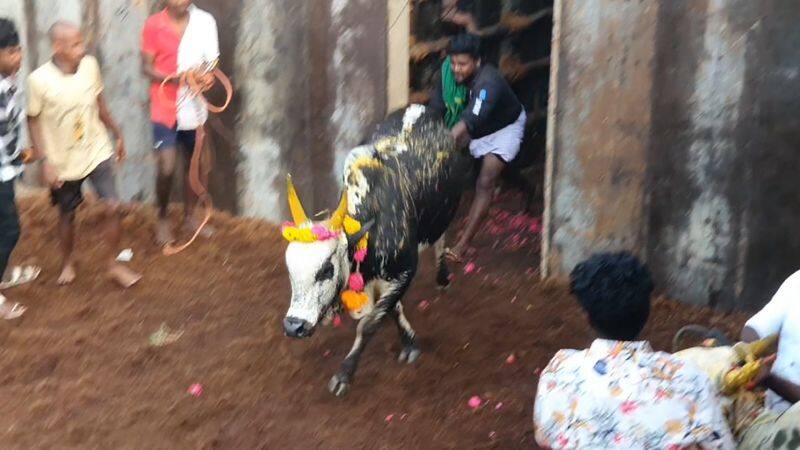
(402, 191)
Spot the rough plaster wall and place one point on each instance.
(118, 29)
(717, 150)
(601, 128)
(358, 30)
(272, 83)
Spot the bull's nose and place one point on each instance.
(296, 328)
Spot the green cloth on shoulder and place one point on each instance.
(455, 95)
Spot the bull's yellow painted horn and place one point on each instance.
(337, 218)
(298, 214)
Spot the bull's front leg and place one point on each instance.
(386, 304)
(408, 338)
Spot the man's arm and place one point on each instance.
(111, 124)
(786, 389)
(461, 134)
(49, 174)
(148, 69)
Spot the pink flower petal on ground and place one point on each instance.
(389, 418)
(511, 359)
(424, 305)
(474, 402)
(469, 268)
(498, 406)
(326, 354)
(492, 435)
(195, 390)
(337, 321)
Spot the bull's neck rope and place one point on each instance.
(354, 299)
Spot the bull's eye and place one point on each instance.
(325, 272)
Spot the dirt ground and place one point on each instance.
(78, 370)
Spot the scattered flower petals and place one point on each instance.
(511, 359)
(469, 268)
(498, 406)
(475, 402)
(492, 435)
(424, 305)
(327, 354)
(389, 418)
(337, 321)
(195, 390)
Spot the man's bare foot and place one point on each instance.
(10, 310)
(123, 276)
(67, 275)
(164, 232)
(191, 225)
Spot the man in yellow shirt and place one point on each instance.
(69, 123)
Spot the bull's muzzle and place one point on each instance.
(297, 328)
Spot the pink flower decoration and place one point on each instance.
(360, 255)
(322, 233)
(356, 282)
(628, 407)
(337, 321)
(474, 402)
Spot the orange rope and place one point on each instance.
(197, 87)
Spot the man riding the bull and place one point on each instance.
(482, 112)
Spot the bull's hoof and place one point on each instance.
(339, 385)
(409, 355)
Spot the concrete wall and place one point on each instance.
(310, 77)
(674, 133)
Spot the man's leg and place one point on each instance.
(186, 143)
(9, 235)
(67, 197)
(104, 183)
(773, 431)
(164, 138)
(491, 167)
(164, 180)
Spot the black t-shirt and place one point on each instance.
(492, 104)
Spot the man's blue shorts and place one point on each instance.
(165, 137)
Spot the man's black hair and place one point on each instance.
(8, 33)
(465, 44)
(614, 289)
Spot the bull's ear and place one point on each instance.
(352, 239)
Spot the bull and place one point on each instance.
(400, 194)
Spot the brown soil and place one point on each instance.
(77, 371)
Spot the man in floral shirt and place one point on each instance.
(620, 393)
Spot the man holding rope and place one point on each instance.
(179, 39)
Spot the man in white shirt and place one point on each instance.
(779, 425)
(781, 316)
(620, 393)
